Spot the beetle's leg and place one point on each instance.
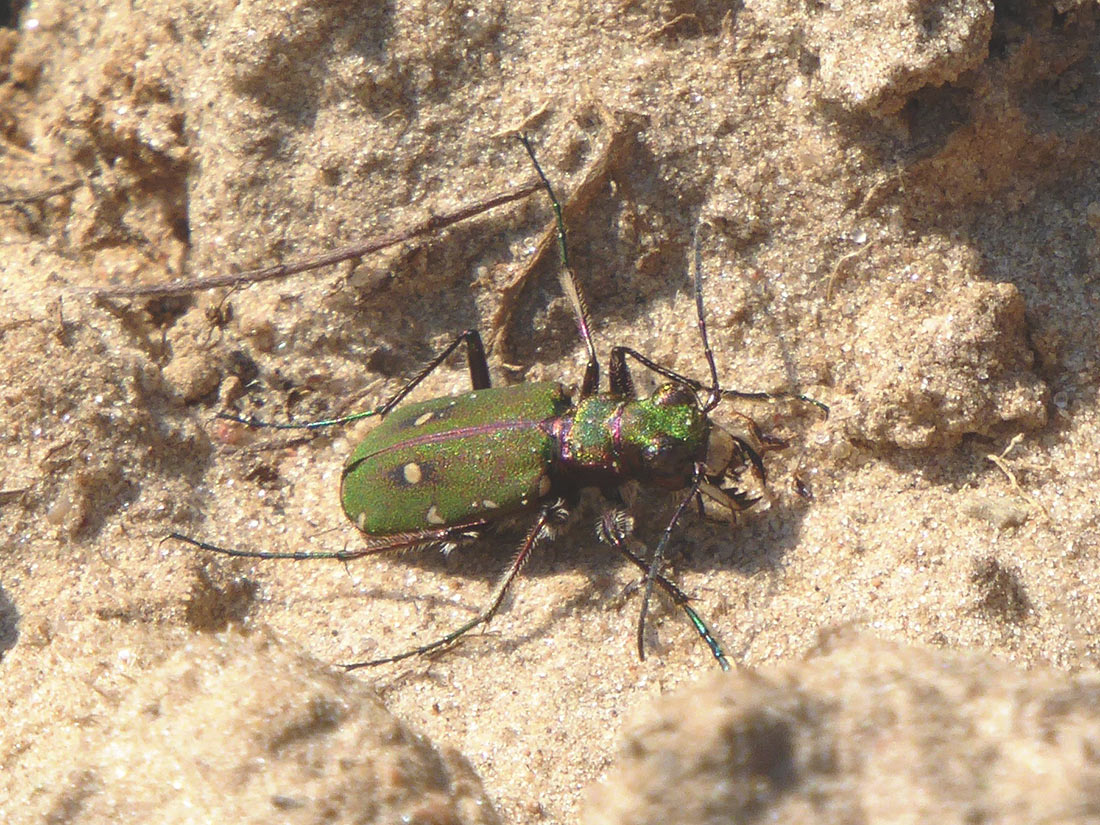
(546, 515)
(569, 284)
(475, 358)
(616, 540)
(654, 567)
(618, 367)
(572, 289)
(401, 541)
(479, 379)
(619, 373)
(622, 384)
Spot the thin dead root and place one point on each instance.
(35, 197)
(355, 250)
(1002, 464)
(841, 265)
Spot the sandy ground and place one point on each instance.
(899, 212)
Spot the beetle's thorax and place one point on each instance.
(608, 439)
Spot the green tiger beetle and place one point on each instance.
(441, 472)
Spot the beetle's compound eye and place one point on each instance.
(660, 457)
(674, 395)
(667, 460)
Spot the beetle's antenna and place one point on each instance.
(568, 280)
(715, 390)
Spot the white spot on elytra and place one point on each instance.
(424, 419)
(412, 473)
(489, 504)
(433, 516)
(361, 521)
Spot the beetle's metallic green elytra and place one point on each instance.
(454, 461)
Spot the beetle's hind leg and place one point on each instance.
(479, 380)
(540, 530)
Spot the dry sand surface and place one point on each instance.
(898, 207)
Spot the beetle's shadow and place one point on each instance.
(756, 544)
(9, 623)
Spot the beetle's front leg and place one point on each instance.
(615, 527)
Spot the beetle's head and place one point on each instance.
(663, 435)
(668, 436)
